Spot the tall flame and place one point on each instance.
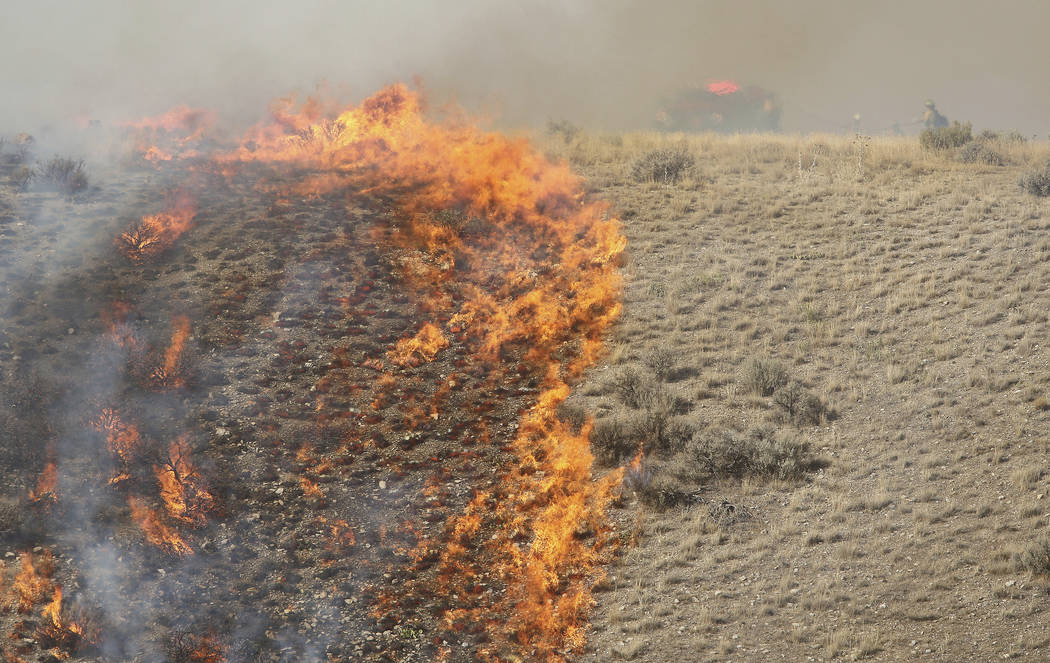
(167, 374)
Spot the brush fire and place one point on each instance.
(322, 421)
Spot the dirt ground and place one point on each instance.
(908, 292)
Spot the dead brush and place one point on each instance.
(61, 174)
(664, 166)
(1035, 558)
(1036, 182)
(764, 376)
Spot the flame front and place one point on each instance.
(537, 273)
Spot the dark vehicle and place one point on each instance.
(721, 106)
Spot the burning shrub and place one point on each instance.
(66, 175)
(1036, 182)
(978, 152)
(666, 165)
(72, 628)
(946, 138)
(184, 646)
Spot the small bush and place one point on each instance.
(22, 176)
(1035, 558)
(630, 388)
(665, 165)
(1011, 136)
(23, 147)
(1036, 182)
(946, 138)
(978, 152)
(612, 441)
(764, 376)
(760, 452)
(567, 130)
(801, 407)
(64, 175)
(663, 362)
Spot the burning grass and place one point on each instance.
(501, 279)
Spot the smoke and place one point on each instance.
(604, 63)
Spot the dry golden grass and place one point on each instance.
(908, 292)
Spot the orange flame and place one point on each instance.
(534, 278)
(425, 345)
(46, 483)
(157, 232)
(156, 531)
(167, 374)
(115, 319)
(30, 584)
(543, 277)
(181, 486)
(122, 439)
(176, 129)
(722, 87)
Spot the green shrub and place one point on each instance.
(946, 138)
(764, 376)
(1036, 182)
(666, 165)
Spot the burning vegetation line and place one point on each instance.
(537, 276)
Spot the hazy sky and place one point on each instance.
(599, 62)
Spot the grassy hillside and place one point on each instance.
(834, 350)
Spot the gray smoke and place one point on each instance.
(603, 63)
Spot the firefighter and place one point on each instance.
(932, 119)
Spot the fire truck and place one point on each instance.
(721, 106)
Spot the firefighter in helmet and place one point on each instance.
(932, 119)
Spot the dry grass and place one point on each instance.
(905, 291)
